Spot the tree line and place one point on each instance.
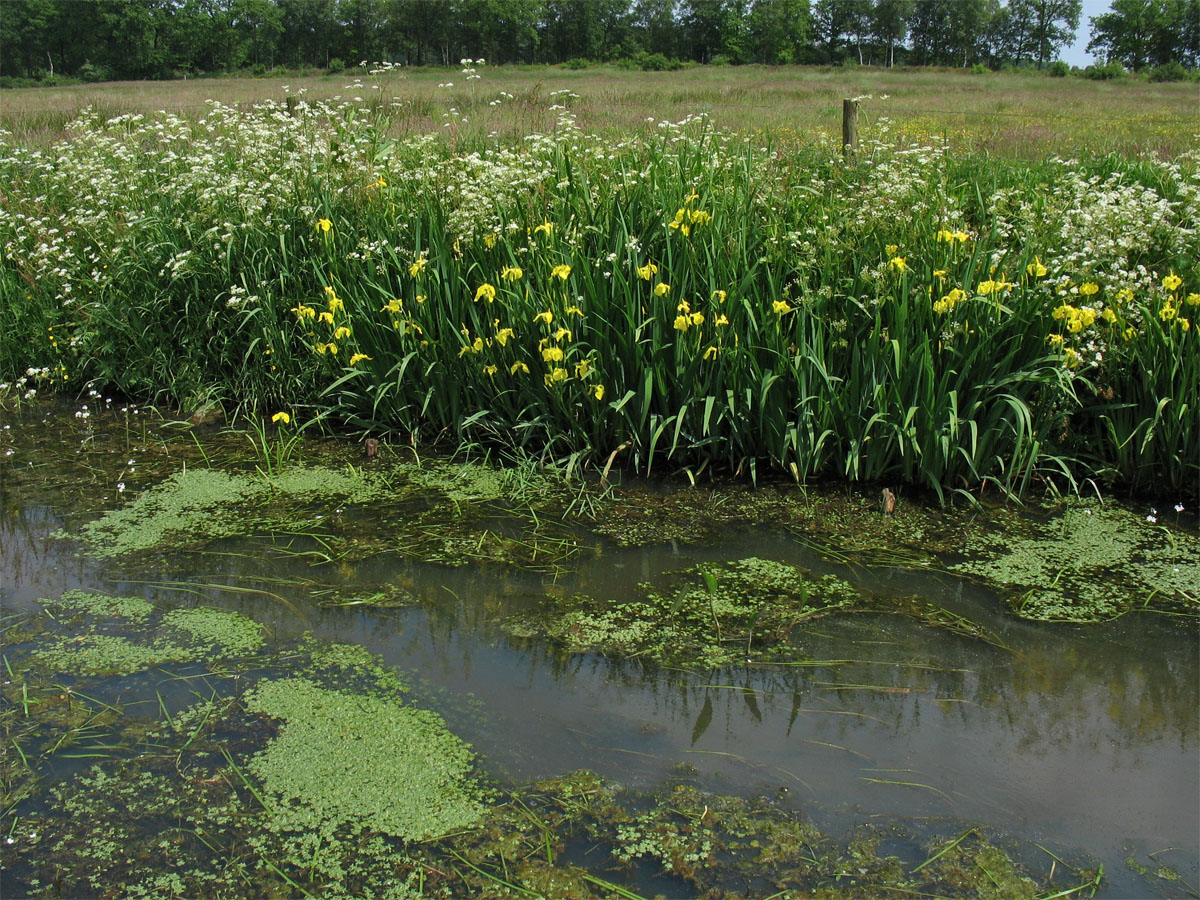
(132, 39)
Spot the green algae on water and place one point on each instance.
(1089, 563)
(204, 504)
(231, 632)
(713, 614)
(346, 759)
(102, 605)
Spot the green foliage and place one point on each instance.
(496, 296)
(1169, 71)
(1059, 69)
(1109, 71)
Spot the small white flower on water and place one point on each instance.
(1151, 519)
(1178, 506)
(120, 487)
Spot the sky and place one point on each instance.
(1076, 54)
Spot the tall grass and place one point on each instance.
(680, 299)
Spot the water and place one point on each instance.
(1081, 738)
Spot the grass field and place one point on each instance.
(1022, 115)
(640, 269)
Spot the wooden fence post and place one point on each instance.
(849, 129)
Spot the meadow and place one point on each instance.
(669, 272)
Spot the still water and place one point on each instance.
(1082, 738)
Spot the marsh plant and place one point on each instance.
(679, 297)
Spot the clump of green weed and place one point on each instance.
(1089, 563)
(711, 615)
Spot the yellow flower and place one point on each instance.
(326, 317)
(485, 290)
(574, 309)
(1192, 300)
(682, 323)
(987, 287)
(1125, 294)
(420, 298)
(661, 289)
(939, 273)
(1087, 316)
(1055, 339)
(518, 367)
(721, 320)
(1074, 324)
(489, 239)
(392, 306)
(956, 296)
(683, 307)
(418, 267)
(332, 348)
(719, 296)
(1167, 313)
(1184, 324)
(1108, 316)
(897, 263)
(341, 332)
(944, 236)
(781, 307)
(583, 368)
(552, 354)
(1070, 358)
(503, 335)
(511, 273)
(1036, 270)
(556, 375)
(699, 217)
(546, 317)
(697, 318)
(561, 272)
(489, 370)
(1130, 333)
(891, 249)
(711, 353)
(961, 236)
(304, 312)
(1172, 281)
(941, 307)
(379, 182)
(358, 357)
(598, 391)
(281, 417)
(647, 271)
(1088, 288)
(323, 225)
(1061, 312)
(545, 228)
(562, 333)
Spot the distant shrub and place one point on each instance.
(1059, 69)
(1171, 71)
(335, 66)
(656, 62)
(625, 62)
(720, 60)
(980, 69)
(1107, 72)
(576, 63)
(91, 73)
(259, 70)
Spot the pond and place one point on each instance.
(185, 627)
